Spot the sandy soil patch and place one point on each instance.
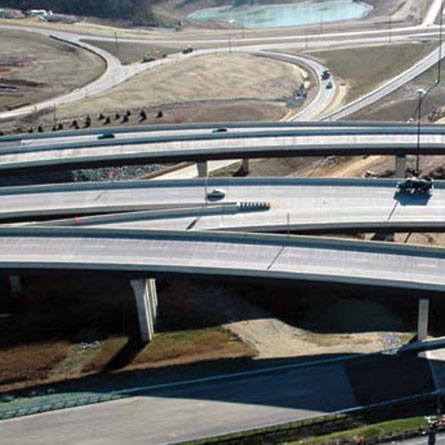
(340, 332)
(34, 68)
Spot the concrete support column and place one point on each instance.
(422, 320)
(245, 167)
(400, 166)
(16, 283)
(202, 169)
(147, 306)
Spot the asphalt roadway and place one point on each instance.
(231, 403)
(194, 411)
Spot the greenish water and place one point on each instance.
(268, 16)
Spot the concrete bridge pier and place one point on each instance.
(15, 283)
(147, 306)
(245, 166)
(203, 169)
(422, 319)
(400, 166)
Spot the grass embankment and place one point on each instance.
(66, 328)
(366, 68)
(133, 52)
(222, 79)
(367, 432)
(402, 104)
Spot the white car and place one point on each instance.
(216, 194)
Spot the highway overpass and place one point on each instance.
(149, 253)
(203, 145)
(293, 204)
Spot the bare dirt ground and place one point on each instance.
(272, 337)
(34, 68)
(199, 80)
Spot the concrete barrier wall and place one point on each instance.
(154, 128)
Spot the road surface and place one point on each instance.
(295, 204)
(228, 145)
(223, 254)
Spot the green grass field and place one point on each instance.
(366, 68)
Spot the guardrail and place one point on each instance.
(278, 434)
(10, 413)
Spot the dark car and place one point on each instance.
(416, 185)
(329, 85)
(326, 74)
(106, 136)
(219, 130)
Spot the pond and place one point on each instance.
(268, 16)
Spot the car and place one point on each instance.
(106, 136)
(187, 50)
(219, 130)
(415, 185)
(326, 74)
(329, 85)
(216, 194)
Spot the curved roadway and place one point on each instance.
(116, 73)
(226, 254)
(130, 148)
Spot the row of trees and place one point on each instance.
(136, 10)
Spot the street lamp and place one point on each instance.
(439, 64)
(420, 94)
(230, 22)
(390, 28)
(116, 43)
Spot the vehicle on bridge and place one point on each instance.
(216, 194)
(416, 185)
(106, 136)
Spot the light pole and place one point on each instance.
(390, 28)
(420, 94)
(116, 42)
(230, 22)
(439, 63)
